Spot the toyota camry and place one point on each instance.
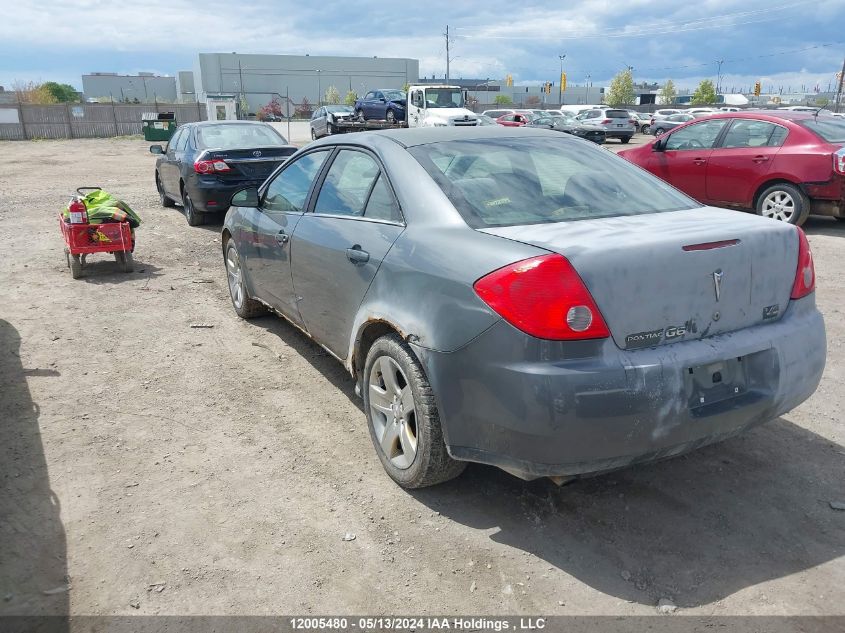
(526, 299)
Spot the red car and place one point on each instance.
(783, 165)
(515, 119)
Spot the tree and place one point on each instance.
(406, 87)
(668, 94)
(273, 110)
(532, 100)
(63, 93)
(502, 100)
(304, 109)
(621, 91)
(822, 101)
(32, 92)
(704, 94)
(350, 98)
(332, 96)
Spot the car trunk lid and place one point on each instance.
(253, 164)
(665, 277)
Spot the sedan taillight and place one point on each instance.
(805, 274)
(606, 121)
(544, 297)
(839, 161)
(211, 166)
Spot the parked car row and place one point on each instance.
(513, 296)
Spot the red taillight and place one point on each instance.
(633, 121)
(544, 297)
(805, 275)
(606, 121)
(839, 161)
(211, 166)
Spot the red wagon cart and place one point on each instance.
(83, 238)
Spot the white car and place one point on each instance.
(664, 112)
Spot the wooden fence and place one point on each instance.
(85, 120)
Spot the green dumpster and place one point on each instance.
(158, 126)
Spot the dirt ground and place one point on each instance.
(150, 467)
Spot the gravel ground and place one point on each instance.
(150, 467)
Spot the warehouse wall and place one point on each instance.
(143, 88)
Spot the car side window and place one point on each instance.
(697, 136)
(381, 204)
(750, 133)
(171, 145)
(289, 189)
(347, 184)
(369, 95)
(182, 143)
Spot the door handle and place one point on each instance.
(282, 238)
(760, 159)
(356, 255)
(699, 161)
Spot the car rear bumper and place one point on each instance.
(542, 408)
(209, 195)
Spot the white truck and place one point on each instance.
(426, 106)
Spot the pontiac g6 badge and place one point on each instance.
(717, 283)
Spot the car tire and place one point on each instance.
(785, 202)
(645, 129)
(194, 217)
(625, 139)
(245, 306)
(658, 131)
(329, 129)
(359, 114)
(390, 116)
(125, 261)
(163, 198)
(410, 445)
(313, 134)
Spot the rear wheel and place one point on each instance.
(625, 139)
(245, 307)
(645, 129)
(162, 196)
(784, 202)
(658, 131)
(75, 263)
(194, 217)
(402, 417)
(313, 134)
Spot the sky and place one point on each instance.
(783, 43)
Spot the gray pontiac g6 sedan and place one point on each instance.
(526, 299)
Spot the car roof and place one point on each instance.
(216, 123)
(425, 135)
(774, 115)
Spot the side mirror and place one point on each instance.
(245, 198)
(383, 100)
(156, 149)
(659, 145)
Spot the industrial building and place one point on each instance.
(261, 77)
(145, 87)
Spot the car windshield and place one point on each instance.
(512, 181)
(390, 95)
(618, 114)
(831, 129)
(444, 98)
(337, 108)
(234, 136)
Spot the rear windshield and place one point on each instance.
(512, 181)
(234, 136)
(618, 114)
(831, 129)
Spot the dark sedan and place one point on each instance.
(381, 105)
(521, 298)
(592, 133)
(205, 163)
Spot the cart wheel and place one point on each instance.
(124, 258)
(75, 264)
(67, 258)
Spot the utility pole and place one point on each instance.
(560, 81)
(719, 63)
(839, 89)
(447, 53)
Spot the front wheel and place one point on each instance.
(645, 129)
(245, 306)
(163, 198)
(784, 202)
(313, 134)
(403, 419)
(75, 263)
(125, 261)
(390, 117)
(659, 131)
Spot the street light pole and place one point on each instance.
(319, 90)
(719, 63)
(559, 80)
(588, 84)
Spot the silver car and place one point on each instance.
(669, 123)
(525, 299)
(325, 118)
(616, 122)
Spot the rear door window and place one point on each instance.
(697, 136)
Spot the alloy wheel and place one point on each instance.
(778, 205)
(393, 412)
(233, 273)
